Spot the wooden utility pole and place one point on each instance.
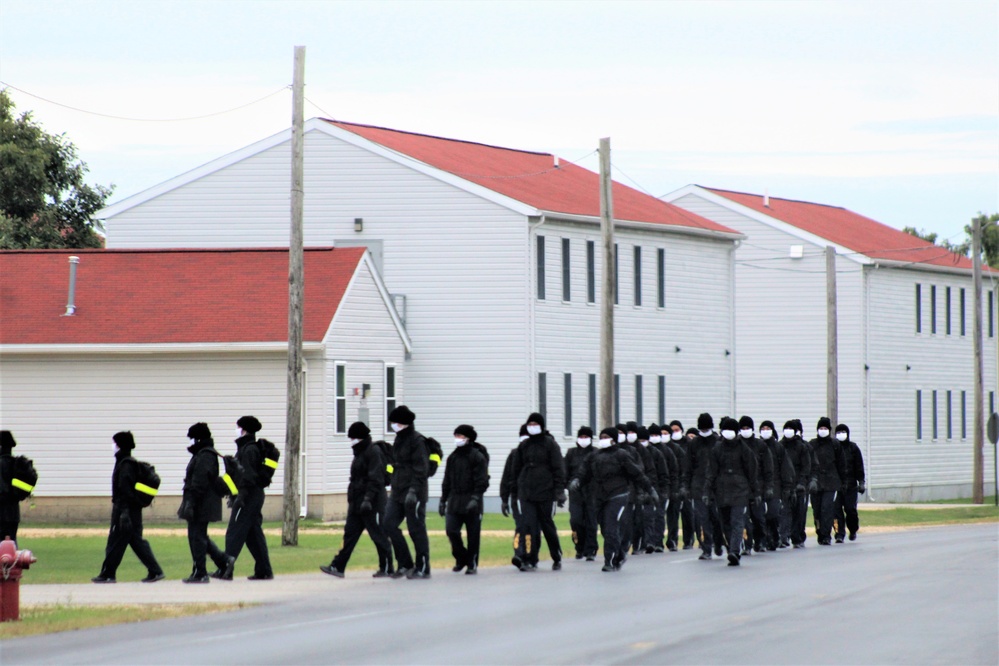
(832, 342)
(296, 292)
(978, 481)
(607, 290)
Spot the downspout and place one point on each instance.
(303, 450)
(531, 285)
(867, 380)
(731, 268)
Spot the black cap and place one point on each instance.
(798, 428)
(747, 422)
(358, 430)
(674, 422)
(842, 427)
(643, 432)
(789, 424)
(705, 422)
(535, 417)
(199, 431)
(631, 426)
(621, 427)
(402, 415)
(728, 423)
(466, 430)
(124, 440)
(585, 431)
(824, 422)
(249, 424)
(767, 424)
(610, 432)
(7, 440)
(654, 429)
(523, 429)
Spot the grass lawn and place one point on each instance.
(52, 619)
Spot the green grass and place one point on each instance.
(990, 500)
(49, 619)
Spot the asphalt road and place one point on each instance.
(927, 596)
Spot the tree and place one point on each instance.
(932, 237)
(44, 202)
(990, 238)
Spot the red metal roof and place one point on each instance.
(167, 296)
(856, 232)
(530, 177)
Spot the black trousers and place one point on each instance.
(611, 515)
(824, 508)
(464, 556)
(707, 518)
(518, 526)
(416, 525)
(688, 518)
(774, 512)
(799, 515)
(355, 526)
(8, 528)
(538, 517)
(756, 525)
(119, 540)
(786, 511)
(628, 524)
(650, 522)
(583, 520)
(733, 522)
(673, 510)
(201, 545)
(846, 512)
(246, 527)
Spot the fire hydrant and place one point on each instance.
(12, 563)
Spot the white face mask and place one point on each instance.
(655, 439)
(823, 432)
(746, 433)
(766, 434)
(354, 441)
(620, 438)
(584, 441)
(632, 437)
(192, 441)
(841, 436)
(116, 449)
(788, 433)
(677, 436)
(523, 438)
(704, 433)
(533, 430)
(460, 441)
(239, 433)
(728, 434)
(396, 427)
(644, 442)
(603, 442)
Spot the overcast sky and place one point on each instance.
(890, 109)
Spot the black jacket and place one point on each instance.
(575, 460)
(698, 453)
(10, 508)
(672, 468)
(764, 461)
(658, 463)
(466, 475)
(250, 456)
(201, 482)
(680, 452)
(123, 479)
(784, 476)
(538, 469)
(828, 464)
(611, 472)
(367, 475)
(731, 478)
(507, 480)
(801, 460)
(853, 461)
(411, 461)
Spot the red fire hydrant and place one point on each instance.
(12, 563)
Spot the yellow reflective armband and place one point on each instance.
(389, 469)
(270, 462)
(17, 483)
(232, 486)
(435, 458)
(148, 490)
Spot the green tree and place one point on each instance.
(990, 237)
(932, 237)
(44, 202)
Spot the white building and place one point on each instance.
(904, 336)
(461, 233)
(162, 339)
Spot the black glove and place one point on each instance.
(472, 506)
(706, 500)
(235, 502)
(366, 508)
(862, 488)
(505, 508)
(411, 499)
(442, 507)
(769, 494)
(684, 493)
(560, 498)
(125, 521)
(654, 497)
(813, 486)
(186, 510)
(574, 485)
(800, 488)
(757, 500)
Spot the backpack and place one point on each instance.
(386, 450)
(24, 478)
(436, 454)
(147, 483)
(233, 476)
(268, 462)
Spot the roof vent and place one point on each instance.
(71, 304)
(556, 160)
(766, 199)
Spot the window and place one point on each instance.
(567, 396)
(593, 402)
(919, 414)
(936, 431)
(566, 282)
(617, 398)
(919, 308)
(950, 416)
(543, 394)
(661, 277)
(638, 399)
(662, 399)
(964, 412)
(638, 275)
(591, 272)
(617, 274)
(341, 398)
(541, 268)
(389, 393)
(948, 311)
(933, 309)
(963, 328)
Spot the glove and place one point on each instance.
(125, 522)
(862, 488)
(472, 506)
(441, 507)
(706, 500)
(411, 499)
(813, 486)
(769, 494)
(560, 498)
(757, 500)
(235, 502)
(574, 485)
(654, 497)
(366, 508)
(800, 488)
(684, 493)
(505, 508)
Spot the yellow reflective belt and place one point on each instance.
(436, 458)
(232, 486)
(143, 488)
(389, 469)
(17, 483)
(270, 462)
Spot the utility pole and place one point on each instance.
(296, 292)
(607, 290)
(832, 343)
(977, 481)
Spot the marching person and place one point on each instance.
(828, 472)
(466, 478)
(731, 480)
(667, 498)
(582, 513)
(633, 509)
(365, 503)
(539, 474)
(681, 511)
(854, 482)
(756, 523)
(126, 517)
(610, 473)
(10, 504)
(699, 453)
(509, 505)
(801, 459)
(783, 480)
(202, 503)
(408, 499)
(654, 511)
(246, 519)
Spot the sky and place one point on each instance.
(890, 109)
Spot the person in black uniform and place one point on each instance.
(246, 519)
(539, 474)
(466, 478)
(126, 517)
(10, 505)
(408, 499)
(632, 511)
(828, 471)
(668, 499)
(202, 502)
(643, 511)
(610, 473)
(796, 509)
(854, 482)
(680, 511)
(756, 526)
(582, 512)
(654, 510)
(732, 481)
(783, 485)
(509, 505)
(707, 514)
(365, 503)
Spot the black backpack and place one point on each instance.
(268, 462)
(147, 483)
(436, 455)
(386, 450)
(24, 478)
